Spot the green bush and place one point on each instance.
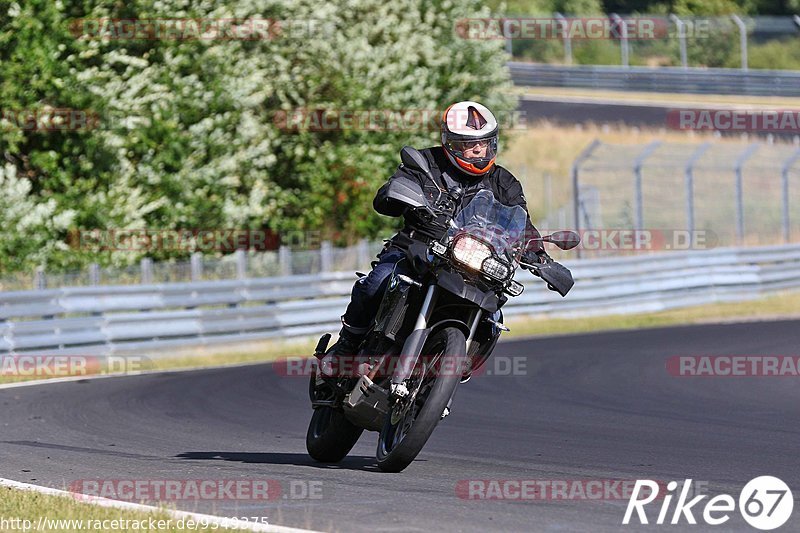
(190, 134)
(779, 54)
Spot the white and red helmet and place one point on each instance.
(463, 125)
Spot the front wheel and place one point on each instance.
(411, 422)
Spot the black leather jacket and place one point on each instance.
(505, 187)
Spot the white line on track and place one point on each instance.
(117, 504)
(227, 523)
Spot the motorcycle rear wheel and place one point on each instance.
(330, 435)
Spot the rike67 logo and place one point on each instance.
(765, 503)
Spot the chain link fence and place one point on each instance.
(728, 194)
(724, 193)
(730, 41)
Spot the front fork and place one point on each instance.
(412, 348)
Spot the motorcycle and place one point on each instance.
(432, 329)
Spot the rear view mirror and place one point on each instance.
(413, 159)
(566, 240)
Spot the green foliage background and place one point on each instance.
(719, 48)
(188, 136)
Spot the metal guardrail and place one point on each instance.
(662, 79)
(148, 318)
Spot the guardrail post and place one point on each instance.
(637, 172)
(740, 161)
(507, 35)
(681, 27)
(742, 39)
(241, 264)
(787, 166)
(623, 37)
(146, 267)
(94, 274)
(325, 256)
(566, 39)
(196, 265)
(285, 260)
(576, 190)
(689, 184)
(39, 279)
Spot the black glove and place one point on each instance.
(540, 257)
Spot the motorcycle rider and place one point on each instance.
(465, 159)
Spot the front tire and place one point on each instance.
(405, 432)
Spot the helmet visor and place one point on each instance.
(474, 150)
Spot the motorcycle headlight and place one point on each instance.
(478, 256)
(495, 269)
(470, 251)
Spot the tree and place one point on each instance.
(192, 132)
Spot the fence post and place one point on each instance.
(325, 256)
(623, 38)
(285, 260)
(39, 279)
(742, 39)
(146, 267)
(94, 274)
(787, 166)
(740, 161)
(689, 183)
(241, 264)
(196, 266)
(576, 191)
(681, 27)
(567, 41)
(507, 35)
(637, 172)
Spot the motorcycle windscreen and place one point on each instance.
(502, 226)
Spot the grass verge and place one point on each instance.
(661, 98)
(24, 510)
(781, 306)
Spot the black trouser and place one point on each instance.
(368, 291)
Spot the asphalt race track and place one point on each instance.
(569, 111)
(590, 407)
